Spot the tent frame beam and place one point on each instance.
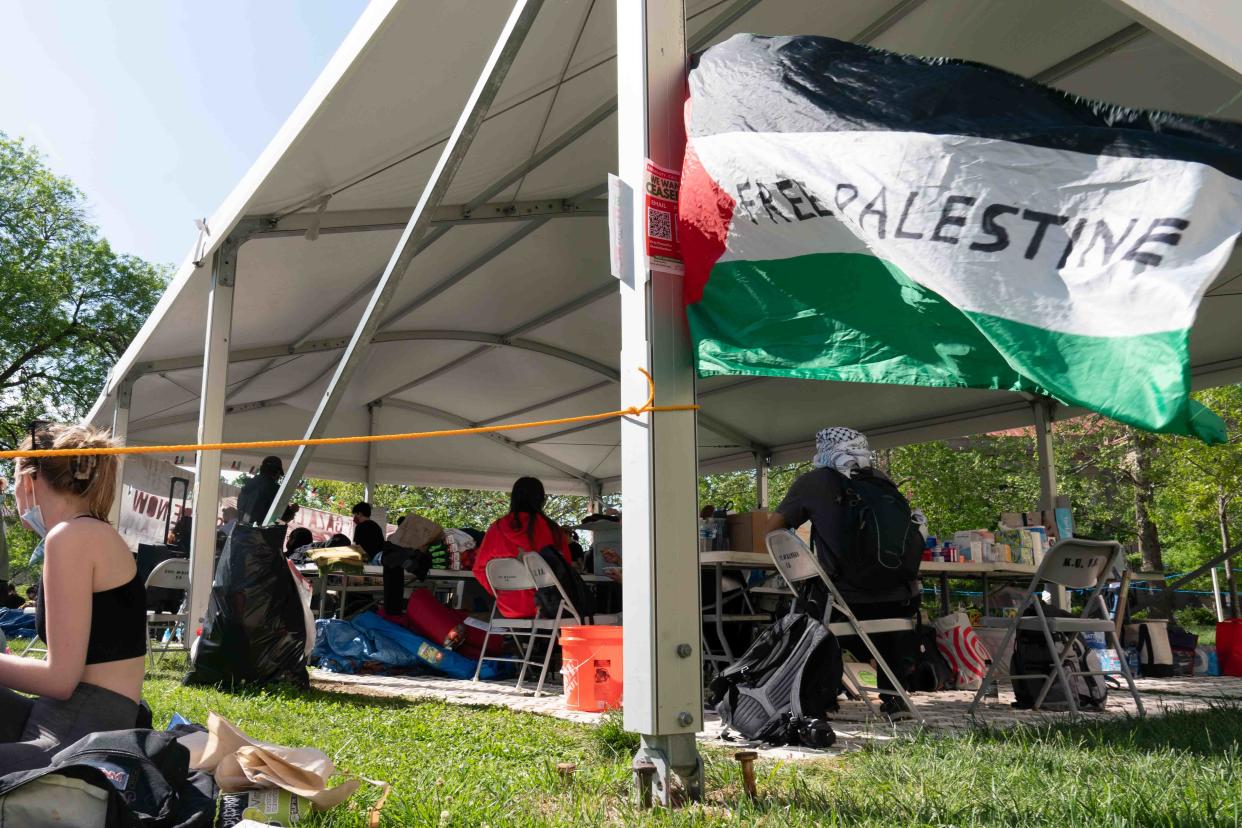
(504, 52)
(1209, 30)
(499, 439)
(453, 215)
(211, 422)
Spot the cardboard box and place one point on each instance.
(747, 531)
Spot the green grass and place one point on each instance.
(458, 765)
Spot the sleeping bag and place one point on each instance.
(445, 626)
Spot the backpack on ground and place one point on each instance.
(112, 779)
(784, 685)
(1031, 657)
(883, 544)
(1151, 637)
(548, 598)
(931, 672)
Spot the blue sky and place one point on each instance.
(155, 108)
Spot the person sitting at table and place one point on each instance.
(820, 496)
(91, 610)
(526, 528)
(370, 537)
(299, 537)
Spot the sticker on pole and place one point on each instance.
(620, 238)
(663, 247)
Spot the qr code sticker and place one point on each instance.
(660, 224)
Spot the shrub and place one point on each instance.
(1195, 617)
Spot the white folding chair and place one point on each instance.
(511, 575)
(797, 563)
(34, 646)
(1075, 564)
(544, 577)
(170, 574)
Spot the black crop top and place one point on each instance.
(122, 632)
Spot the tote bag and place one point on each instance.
(967, 657)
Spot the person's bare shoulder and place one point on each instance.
(88, 540)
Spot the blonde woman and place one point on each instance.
(91, 606)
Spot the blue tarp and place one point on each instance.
(15, 623)
(344, 646)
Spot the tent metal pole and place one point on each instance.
(505, 51)
(120, 428)
(663, 657)
(372, 460)
(211, 427)
(1212, 31)
(1044, 414)
(1220, 606)
(762, 464)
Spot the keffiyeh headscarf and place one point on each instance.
(843, 449)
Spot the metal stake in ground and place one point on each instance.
(747, 759)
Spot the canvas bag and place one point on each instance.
(417, 532)
(967, 657)
(1152, 639)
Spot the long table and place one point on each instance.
(370, 581)
(942, 571)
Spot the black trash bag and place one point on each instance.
(255, 631)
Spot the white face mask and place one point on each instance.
(33, 515)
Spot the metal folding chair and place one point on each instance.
(797, 563)
(1074, 564)
(510, 575)
(173, 573)
(544, 577)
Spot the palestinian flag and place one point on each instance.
(856, 215)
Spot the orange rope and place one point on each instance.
(370, 438)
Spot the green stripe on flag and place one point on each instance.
(853, 317)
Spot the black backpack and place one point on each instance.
(1031, 657)
(549, 600)
(883, 544)
(931, 672)
(144, 773)
(784, 685)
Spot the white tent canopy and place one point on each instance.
(510, 314)
(506, 311)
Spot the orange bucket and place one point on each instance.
(591, 666)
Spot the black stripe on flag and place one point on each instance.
(754, 83)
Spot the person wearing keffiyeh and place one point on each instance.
(819, 496)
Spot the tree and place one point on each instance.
(447, 507)
(1208, 479)
(71, 303)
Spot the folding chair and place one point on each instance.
(34, 646)
(173, 573)
(797, 563)
(544, 577)
(1075, 564)
(510, 575)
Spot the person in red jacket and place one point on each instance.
(525, 529)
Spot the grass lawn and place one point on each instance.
(456, 765)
